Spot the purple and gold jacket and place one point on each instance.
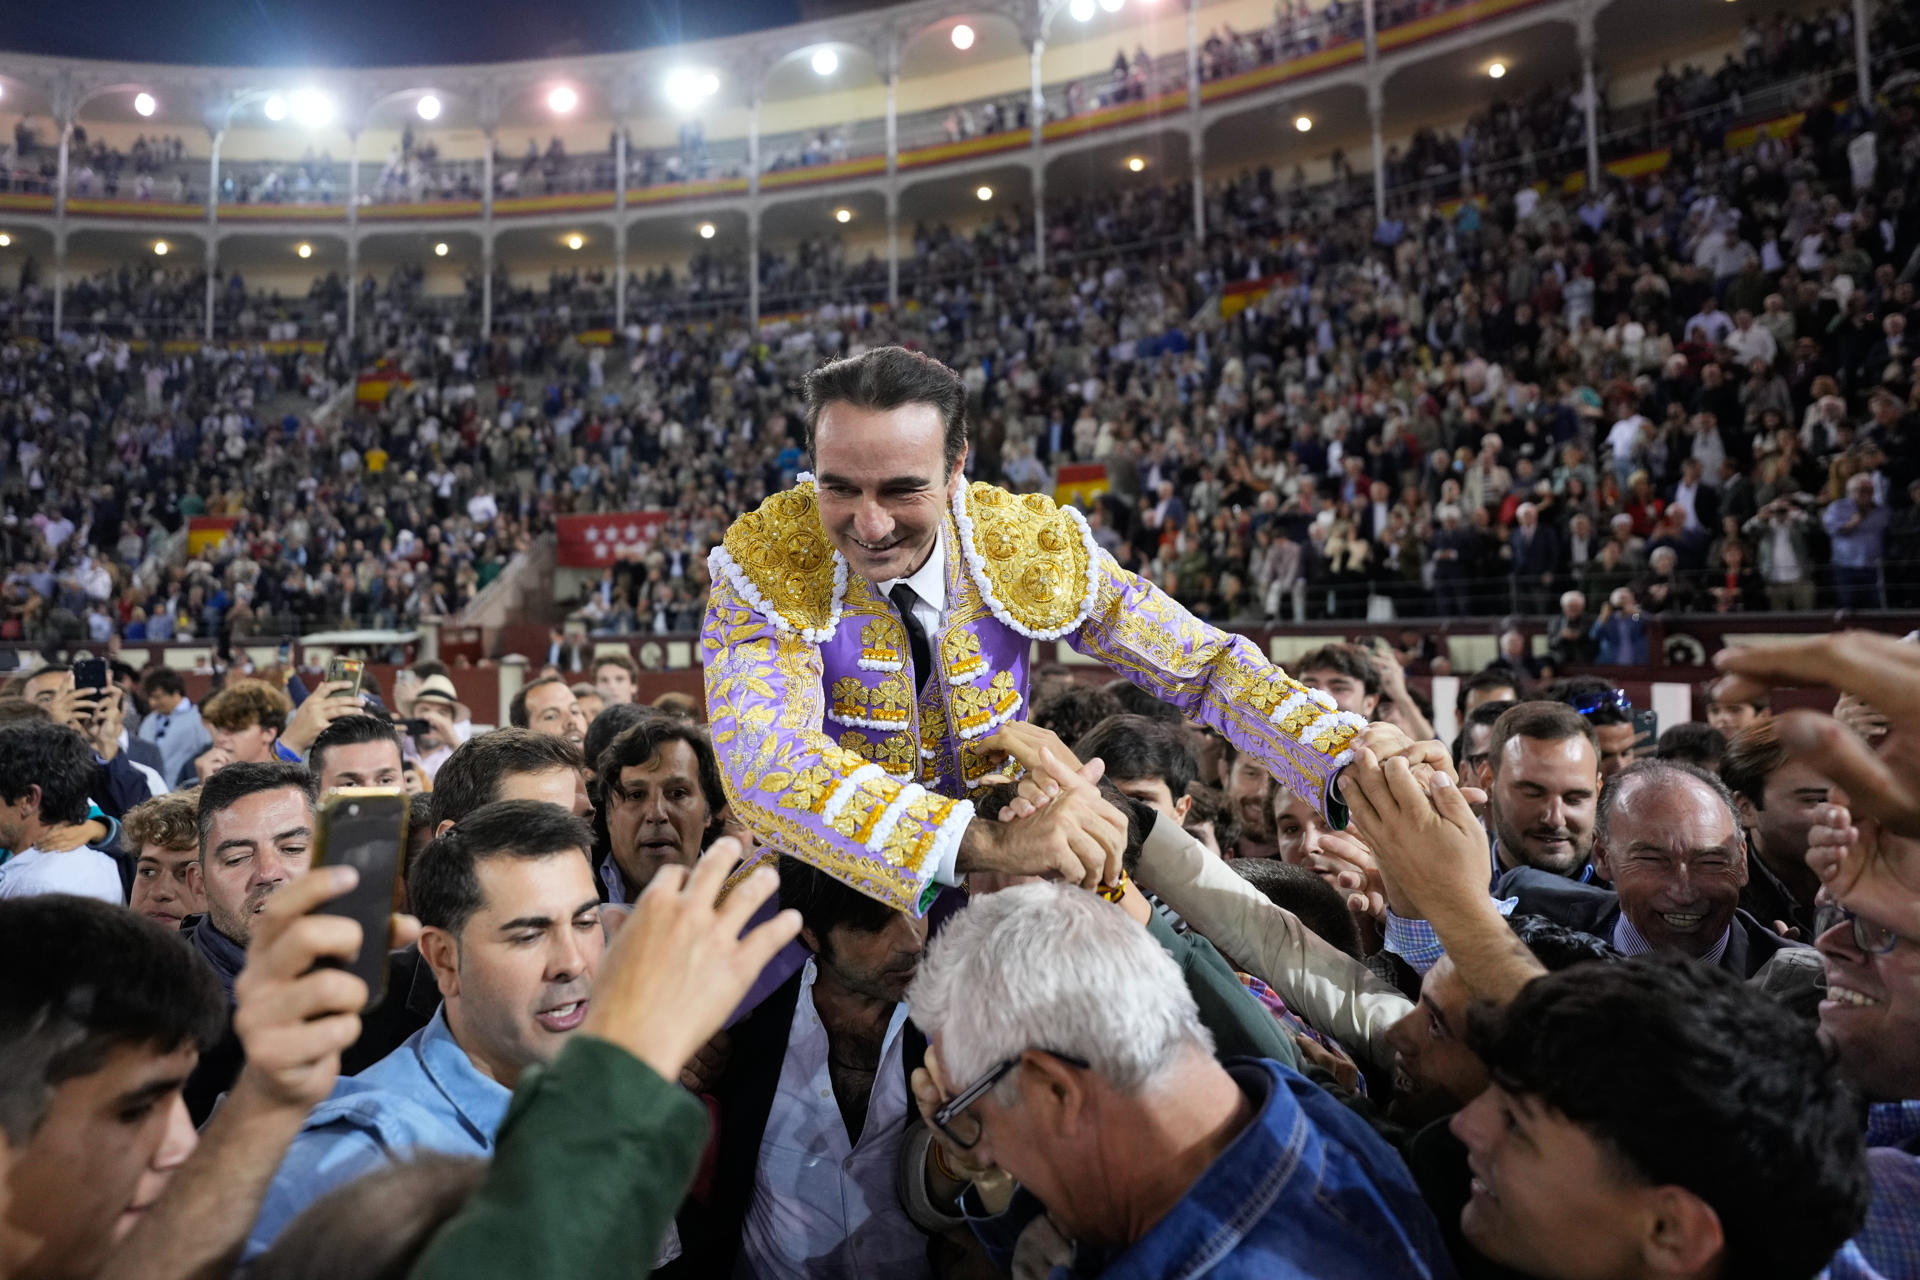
(828, 753)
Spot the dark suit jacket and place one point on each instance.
(1533, 558)
(1594, 910)
(710, 1229)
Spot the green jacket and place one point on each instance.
(594, 1157)
(1241, 1025)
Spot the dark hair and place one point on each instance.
(84, 977)
(886, 378)
(1541, 721)
(1320, 906)
(1754, 755)
(1136, 701)
(374, 1227)
(40, 753)
(442, 886)
(15, 708)
(1073, 711)
(350, 731)
(1489, 678)
(1693, 1079)
(1135, 747)
(236, 782)
(1347, 659)
(1578, 691)
(1488, 714)
(430, 667)
(517, 709)
(610, 724)
(615, 659)
(162, 680)
(471, 776)
(1658, 772)
(1759, 701)
(1210, 807)
(1556, 946)
(1692, 743)
(643, 743)
(824, 902)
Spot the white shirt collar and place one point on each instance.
(929, 582)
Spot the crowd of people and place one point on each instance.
(1553, 1000)
(1688, 392)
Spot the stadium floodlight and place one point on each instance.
(825, 61)
(304, 249)
(562, 99)
(428, 107)
(440, 250)
(1081, 10)
(1496, 69)
(310, 108)
(1303, 123)
(5, 239)
(143, 104)
(962, 37)
(686, 87)
(706, 230)
(1137, 164)
(984, 192)
(843, 215)
(276, 108)
(575, 241)
(160, 248)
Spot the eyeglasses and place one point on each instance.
(1478, 759)
(964, 1130)
(1615, 698)
(1873, 939)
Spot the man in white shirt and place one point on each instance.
(45, 769)
(814, 1103)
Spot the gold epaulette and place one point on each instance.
(779, 559)
(1035, 562)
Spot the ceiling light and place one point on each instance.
(686, 87)
(440, 250)
(310, 109)
(825, 61)
(305, 250)
(1303, 123)
(1082, 10)
(5, 239)
(1496, 69)
(561, 99)
(160, 248)
(575, 240)
(706, 231)
(276, 108)
(143, 104)
(963, 37)
(428, 107)
(984, 192)
(1136, 163)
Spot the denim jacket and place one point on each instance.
(1305, 1192)
(424, 1096)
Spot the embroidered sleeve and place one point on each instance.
(786, 779)
(1219, 679)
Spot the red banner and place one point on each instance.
(593, 542)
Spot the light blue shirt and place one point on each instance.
(424, 1096)
(179, 737)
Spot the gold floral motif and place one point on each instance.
(1300, 717)
(908, 844)
(975, 707)
(1334, 743)
(960, 653)
(894, 753)
(1036, 560)
(808, 789)
(784, 553)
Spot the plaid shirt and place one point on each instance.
(1888, 1247)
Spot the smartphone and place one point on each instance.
(365, 828)
(1646, 729)
(415, 728)
(348, 669)
(90, 673)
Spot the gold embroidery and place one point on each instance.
(894, 753)
(877, 643)
(1036, 560)
(784, 553)
(960, 654)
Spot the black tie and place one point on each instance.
(904, 599)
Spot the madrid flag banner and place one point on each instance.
(596, 541)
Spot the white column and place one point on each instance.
(353, 230)
(489, 128)
(486, 282)
(893, 247)
(59, 276)
(1037, 127)
(1590, 92)
(1198, 147)
(893, 178)
(1376, 111)
(619, 228)
(1862, 59)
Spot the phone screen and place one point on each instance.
(348, 669)
(365, 828)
